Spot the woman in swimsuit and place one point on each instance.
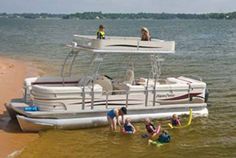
(113, 117)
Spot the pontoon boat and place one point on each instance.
(69, 102)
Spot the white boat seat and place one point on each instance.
(135, 87)
(49, 92)
(175, 80)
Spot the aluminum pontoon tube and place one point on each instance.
(37, 124)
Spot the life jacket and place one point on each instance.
(100, 34)
(164, 138)
(150, 128)
(128, 127)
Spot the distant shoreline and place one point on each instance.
(100, 15)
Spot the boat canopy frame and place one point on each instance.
(155, 73)
(155, 62)
(76, 48)
(118, 45)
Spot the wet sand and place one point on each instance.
(12, 74)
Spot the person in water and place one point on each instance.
(101, 32)
(164, 137)
(175, 121)
(150, 128)
(145, 34)
(128, 128)
(113, 117)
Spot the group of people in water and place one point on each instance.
(127, 127)
(145, 34)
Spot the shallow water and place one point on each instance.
(203, 47)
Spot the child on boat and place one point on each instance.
(101, 32)
(128, 128)
(145, 34)
(113, 117)
(151, 130)
(175, 121)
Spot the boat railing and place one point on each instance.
(120, 92)
(127, 93)
(196, 77)
(25, 93)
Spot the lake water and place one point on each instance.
(206, 48)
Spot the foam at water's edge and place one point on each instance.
(15, 154)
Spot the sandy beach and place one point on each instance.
(12, 74)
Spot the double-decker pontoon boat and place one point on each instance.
(69, 102)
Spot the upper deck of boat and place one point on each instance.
(118, 44)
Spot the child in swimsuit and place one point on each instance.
(151, 130)
(113, 117)
(175, 120)
(128, 128)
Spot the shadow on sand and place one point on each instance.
(9, 125)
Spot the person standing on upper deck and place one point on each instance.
(101, 32)
(145, 34)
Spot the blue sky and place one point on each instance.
(117, 6)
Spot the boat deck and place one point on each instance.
(116, 44)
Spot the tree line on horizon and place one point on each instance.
(100, 15)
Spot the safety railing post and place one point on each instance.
(146, 93)
(107, 99)
(83, 97)
(92, 95)
(127, 98)
(189, 93)
(154, 90)
(25, 94)
(146, 96)
(138, 45)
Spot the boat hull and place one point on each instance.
(29, 124)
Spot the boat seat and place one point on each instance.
(130, 87)
(59, 92)
(105, 82)
(129, 78)
(175, 80)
